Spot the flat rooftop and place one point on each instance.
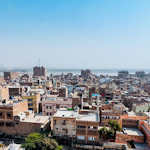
(66, 113)
(141, 146)
(133, 131)
(10, 103)
(36, 119)
(131, 113)
(80, 117)
(88, 117)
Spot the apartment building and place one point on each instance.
(8, 76)
(8, 113)
(130, 134)
(128, 121)
(141, 107)
(39, 71)
(51, 104)
(144, 126)
(83, 125)
(64, 123)
(87, 123)
(123, 74)
(33, 101)
(15, 90)
(16, 120)
(135, 128)
(4, 94)
(63, 92)
(111, 112)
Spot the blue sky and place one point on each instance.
(98, 34)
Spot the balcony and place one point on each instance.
(81, 131)
(92, 132)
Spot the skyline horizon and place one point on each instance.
(53, 68)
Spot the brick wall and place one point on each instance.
(123, 138)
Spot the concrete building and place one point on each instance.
(111, 111)
(140, 74)
(87, 127)
(51, 104)
(15, 90)
(64, 124)
(83, 125)
(130, 134)
(63, 92)
(123, 74)
(8, 76)
(16, 120)
(144, 126)
(85, 74)
(39, 71)
(4, 94)
(141, 107)
(33, 101)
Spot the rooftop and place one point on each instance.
(36, 119)
(133, 131)
(80, 117)
(66, 113)
(11, 103)
(88, 117)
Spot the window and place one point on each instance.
(81, 137)
(47, 114)
(82, 127)
(30, 104)
(9, 116)
(57, 106)
(92, 127)
(1, 123)
(65, 130)
(30, 100)
(54, 122)
(90, 138)
(64, 122)
(9, 124)
(17, 123)
(1, 114)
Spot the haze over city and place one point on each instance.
(75, 34)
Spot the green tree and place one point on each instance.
(50, 144)
(114, 125)
(36, 141)
(103, 133)
(33, 141)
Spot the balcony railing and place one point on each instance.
(81, 131)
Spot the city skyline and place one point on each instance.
(75, 34)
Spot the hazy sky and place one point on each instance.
(75, 33)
